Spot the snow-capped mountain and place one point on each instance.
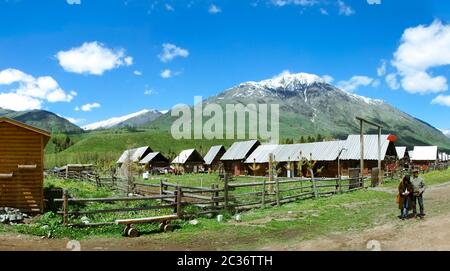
(309, 105)
(134, 119)
(287, 84)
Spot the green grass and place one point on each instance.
(287, 224)
(430, 178)
(105, 147)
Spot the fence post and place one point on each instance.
(277, 185)
(65, 206)
(340, 184)
(213, 186)
(178, 194)
(225, 191)
(313, 181)
(216, 194)
(161, 190)
(97, 180)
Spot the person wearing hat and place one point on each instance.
(419, 187)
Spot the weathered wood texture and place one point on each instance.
(21, 154)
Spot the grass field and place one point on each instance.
(105, 147)
(430, 178)
(347, 212)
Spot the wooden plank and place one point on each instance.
(119, 210)
(146, 219)
(116, 199)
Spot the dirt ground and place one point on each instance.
(431, 233)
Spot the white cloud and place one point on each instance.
(30, 92)
(149, 91)
(374, 2)
(392, 81)
(168, 7)
(355, 82)
(442, 100)
(74, 120)
(88, 107)
(446, 132)
(329, 79)
(303, 3)
(213, 9)
(381, 70)
(18, 102)
(423, 48)
(323, 11)
(138, 73)
(345, 9)
(166, 73)
(92, 58)
(74, 2)
(171, 51)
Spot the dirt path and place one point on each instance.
(432, 233)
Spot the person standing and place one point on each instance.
(419, 187)
(405, 191)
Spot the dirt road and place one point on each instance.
(431, 233)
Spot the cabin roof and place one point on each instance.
(212, 154)
(401, 152)
(151, 156)
(184, 156)
(135, 155)
(239, 150)
(425, 153)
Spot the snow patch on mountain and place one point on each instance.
(365, 99)
(287, 81)
(115, 120)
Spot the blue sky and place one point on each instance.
(214, 45)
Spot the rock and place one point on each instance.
(193, 222)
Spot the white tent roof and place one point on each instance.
(425, 153)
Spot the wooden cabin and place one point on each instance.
(234, 158)
(131, 157)
(425, 157)
(22, 166)
(154, 160)
(189, 161)
(287, 157)
(351, 155)
(212, 158)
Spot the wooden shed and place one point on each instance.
(212, 158)
(22, 165)
(189, 161)
(234, 157)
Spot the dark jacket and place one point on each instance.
(402, 188)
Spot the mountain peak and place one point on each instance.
(123, 120)
(288, 81)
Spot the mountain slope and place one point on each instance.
(135, 119)
(309, 106)
(42, 119)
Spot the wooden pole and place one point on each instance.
(361, 148)
(313, 181)
(178, 199)
(225, 191)
(65, 206)
(380, 175)
(212, 195)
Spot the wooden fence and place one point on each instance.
(226, 195)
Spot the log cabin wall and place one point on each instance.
(21, 167)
